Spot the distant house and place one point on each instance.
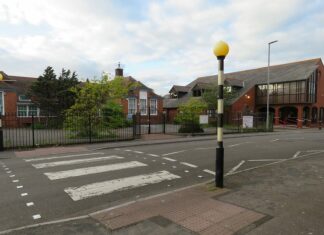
(296, 92)
(13, 99)
(141, 100)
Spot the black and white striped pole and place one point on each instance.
(220, 51)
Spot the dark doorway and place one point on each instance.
(288, 115)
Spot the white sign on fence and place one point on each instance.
(247, 121)
(203, 119)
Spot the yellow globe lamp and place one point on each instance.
(221, 49)
(1, 77)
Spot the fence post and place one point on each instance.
(33, 130)
(134, 126)
(164, 122)
(1, 135)
(90, 140)
(238, 122)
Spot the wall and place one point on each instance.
(245, 103)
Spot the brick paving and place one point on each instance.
(194, 209)
(51, 150)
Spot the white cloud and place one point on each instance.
(92, 36)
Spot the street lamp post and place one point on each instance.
(268, 78)
(220, 51)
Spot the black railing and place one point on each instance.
(64, 129)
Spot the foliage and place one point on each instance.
(210, 96)
(188, 115)
(97, 103)
(53, 95)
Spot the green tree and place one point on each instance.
(210, 96)
(43, 91)
(188, 115)
(53, 95)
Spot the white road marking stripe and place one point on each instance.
(96, 189)
(20, 186)
(117, 148)
(235, 168)
(6, 168)
(9, 172)
(12, 176)
(128, 150)
(274, 140)
(24, 194)
(188, 164)
(186, 171)
(38, 216)
(29, 204)
(166, 154)
(205, 148)
(15, 181)
(296, 154)
(92, 170)
(71, 162)
(209, 171)
(59, 157)
(153, 155)
(315, 150)
(169, 159)
(233, 145)
(137, 151)
(264, 160)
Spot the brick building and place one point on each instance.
(296, 92)
(140, 100)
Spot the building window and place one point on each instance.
(32, 110)
(153, 107)
(131, 106)
(23, 98)
(143, 106)
(27, 111)
(22, 110)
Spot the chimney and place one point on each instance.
(119, 71)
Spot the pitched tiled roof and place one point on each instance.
(18, 84)
(247, 79)
(177, 88)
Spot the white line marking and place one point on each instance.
(59, 157)
(9, 172)
(6, 169)
(24, 194)
(128, 150)
(71, 162)
(96, 189)
(38, 216)
(92, 170)
(186, 171)
(174, 167)
(209, 171)
(235, 168)
(319, 150)
(200, 176)
(274, 140)
(264, 160)
(20, 186)
(137, 151)
(163, 163)
(153, 155)
(15, 181)
(29, 204)
(188, 164)
(117, 148)
(233, 145)
(12, 176)
(296, 154)
(169, 159)
(167, 154)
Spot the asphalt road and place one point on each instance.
(121, 175)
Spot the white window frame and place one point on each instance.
(20, 99)
(143, 101)
(153, 101)
(135, 105)
(27, 110)
(2, 111)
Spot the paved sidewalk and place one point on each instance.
(195, 209)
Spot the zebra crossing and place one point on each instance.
(103, 163)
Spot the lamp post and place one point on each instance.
(220, 51)
(268, 93)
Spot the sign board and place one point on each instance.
(247, 121)
(203, 119)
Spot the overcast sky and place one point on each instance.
(160, 43)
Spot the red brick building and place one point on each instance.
(296, 92)
(140, 100)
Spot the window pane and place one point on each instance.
(32, 110)
(22, 110)
(153, 106)
(143, 106)
(131, 106)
